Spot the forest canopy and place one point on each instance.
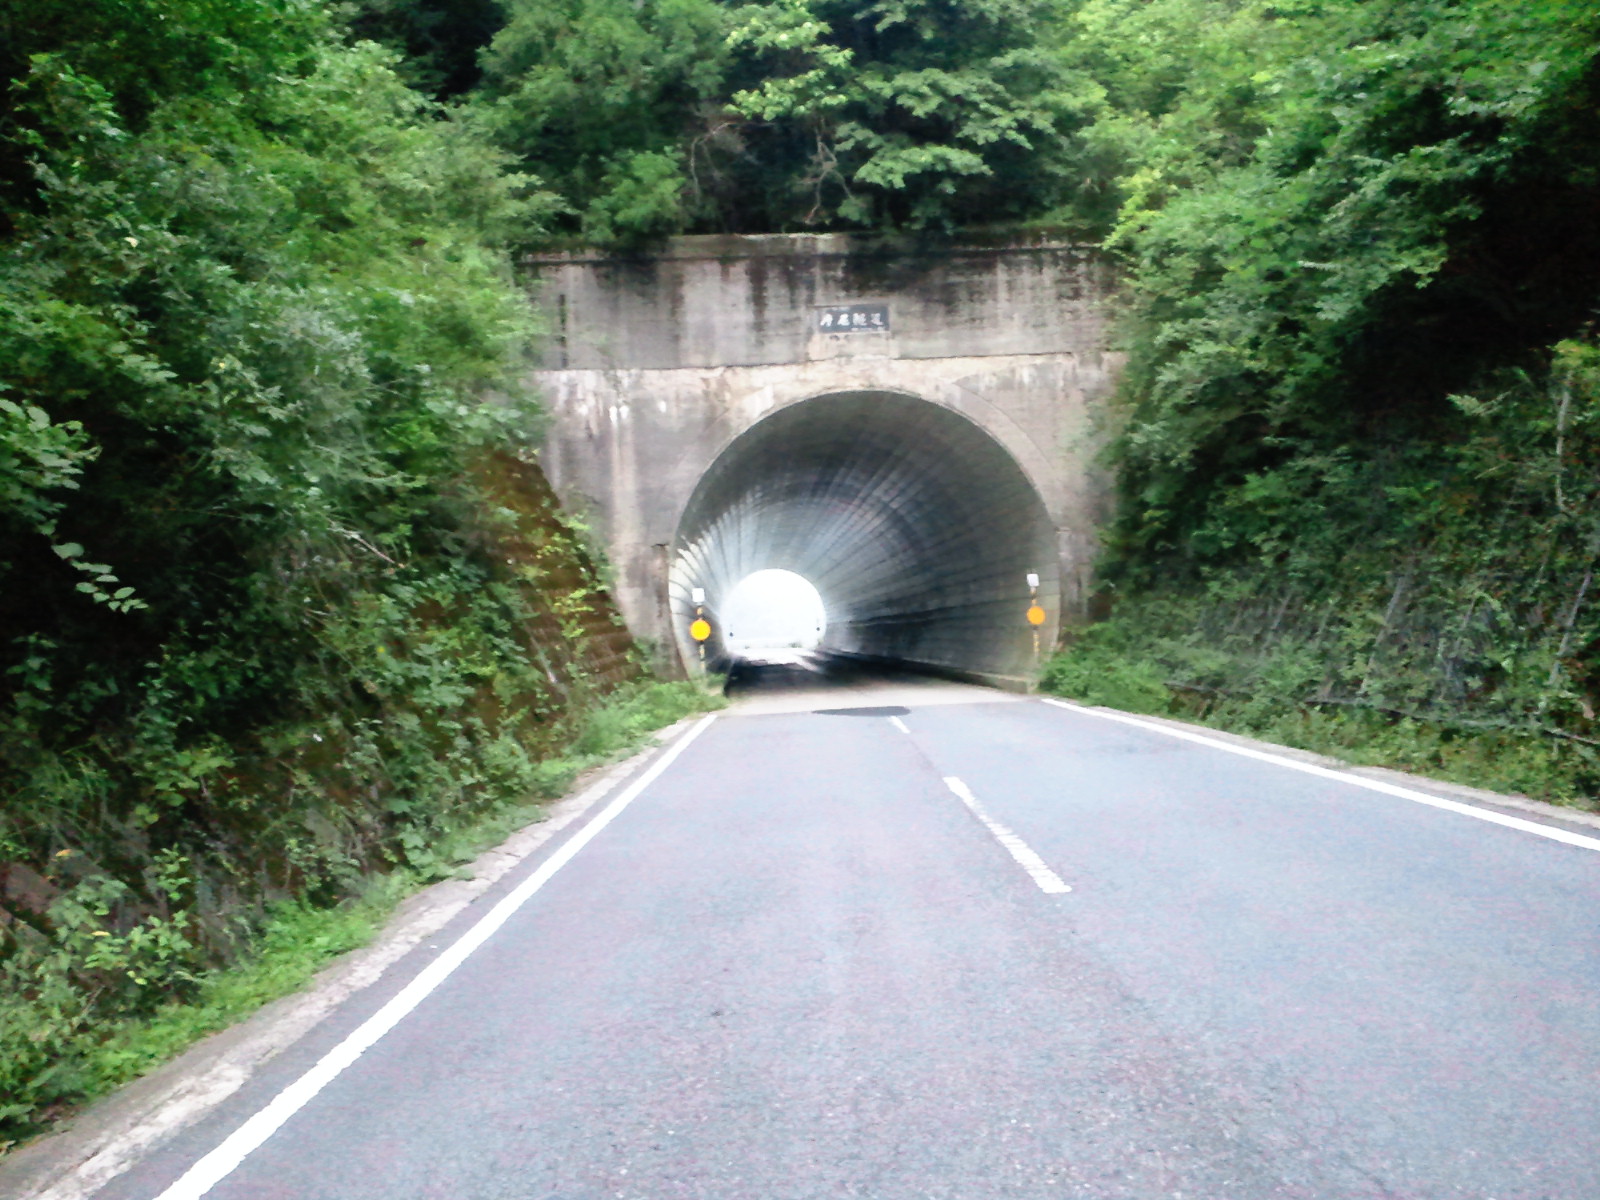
(696, 115)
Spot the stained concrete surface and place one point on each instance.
(659, 367)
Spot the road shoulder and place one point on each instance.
(112, 1134)
(1573, 820)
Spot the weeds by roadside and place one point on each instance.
(1114, 666)
(60, 1049)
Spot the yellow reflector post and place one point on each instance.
(1035, 615)
(700, 630)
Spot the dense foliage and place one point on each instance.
(275, 609)
(1430, 606)
(673, 115)
(1357, 458)
(438, 41)
(1396, 196)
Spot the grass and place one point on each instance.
(1498, 760)
(294, 943)
(621, 725)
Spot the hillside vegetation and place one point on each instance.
(1358, 453)
(283, 611)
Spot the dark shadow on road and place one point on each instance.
(882, 710)
(811, 672)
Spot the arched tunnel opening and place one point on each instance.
(918, 530)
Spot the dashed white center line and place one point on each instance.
(899, 724)
(1048, 881)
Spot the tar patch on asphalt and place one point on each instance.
(888, 710)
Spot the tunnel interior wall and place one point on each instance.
(918, 529)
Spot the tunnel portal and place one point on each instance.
(912, 425)
(918, 529)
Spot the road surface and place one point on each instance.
(820, 954)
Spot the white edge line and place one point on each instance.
(1372, 785)
(899, 724)
(1049, 882)
(220, 1162)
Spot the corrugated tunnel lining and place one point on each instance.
(915, 525)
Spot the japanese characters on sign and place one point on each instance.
(853, 318)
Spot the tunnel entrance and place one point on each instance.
(772, 615)
(917, 529)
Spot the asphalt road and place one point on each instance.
(800, 965)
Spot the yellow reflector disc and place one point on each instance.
(700, 630)
(1035, 615)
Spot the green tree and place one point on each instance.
(610, 102)
(260, 629)
(672, 115)
(1325, 241)
(1356, 457)
(439, 41)
(909, 113)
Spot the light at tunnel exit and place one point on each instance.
(771, 615)
(917, 527)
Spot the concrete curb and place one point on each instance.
(112, 1134)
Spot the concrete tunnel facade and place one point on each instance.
(913, 428)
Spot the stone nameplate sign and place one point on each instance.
(853, 318)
